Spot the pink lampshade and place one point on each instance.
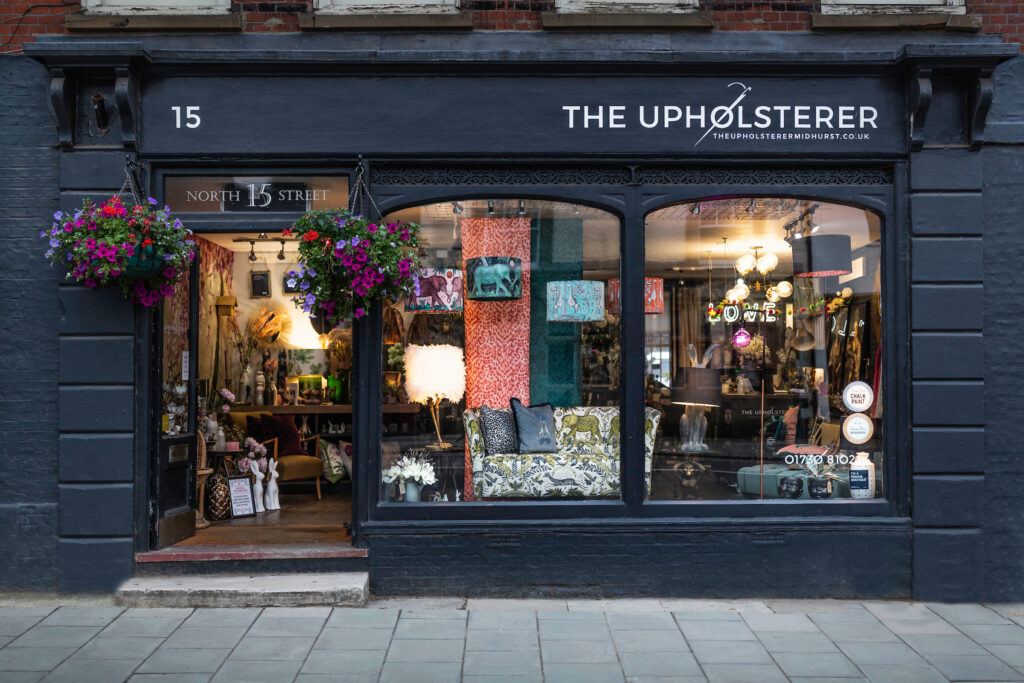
(654, 295)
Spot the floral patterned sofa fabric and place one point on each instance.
(586, 464)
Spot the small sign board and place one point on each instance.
(858, 428)
(858, 396)
(242, 502)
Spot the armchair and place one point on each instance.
(293, 467)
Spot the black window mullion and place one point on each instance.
(632, 355)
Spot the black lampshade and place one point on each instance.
(697, 386)
(822, 256)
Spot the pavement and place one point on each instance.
(83, 638)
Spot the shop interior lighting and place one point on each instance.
(522, 208)
(262, 236)
(695, 210)
(752, 206)
(456, 208)
(767, 263)
(490, 207)
(252, 251)
(784, 289)
(576, 210)
(746, 263)
(280, 254)
(814, 227)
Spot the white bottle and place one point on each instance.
(219, 444)
(862, 477)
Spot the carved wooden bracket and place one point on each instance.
(62, 99)
(921, 100)
(126, 92)
(982, 89)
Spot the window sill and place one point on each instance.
(314, 21)
(882, 22)
(153, 22)
(626, 21)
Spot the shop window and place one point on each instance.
(158, 7)
(773, 384)
(625, 6)
(891, 6)
(390, 6)
(518, 306)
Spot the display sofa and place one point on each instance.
(586, 464)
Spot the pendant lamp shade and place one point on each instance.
(575, 301)
(822, 256)
(654, 295)
(439, 291)
(697, 387)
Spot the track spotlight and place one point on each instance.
(456, 208)
(490, 207)
(752, 206)
(695, 210)
(576, 210)
(522, 208)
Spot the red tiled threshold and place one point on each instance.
(292, 551)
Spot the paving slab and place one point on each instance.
(744, 673)
(570, 616)
(898, 610)
(779, 622)
(350, 638)
(223, 616)
(117, 647)
(532, 605)
(857, 632)
(170, 678)
(14, 625)
(262, 590)
(716, 630)
(730, 652)
(269, 649)
(501, 663)
(169, 661)
(82, 616)
(648, 641)
(1011, 654)
(822, 606)
(696, 605)
(587, 651)
(154, 627)
(456, 614)
(204, 636)
(363, 618)
(426, 672)
(515, 640)
(33, 658)
(707, 615)
(233, 671)
(624, 605)
(969, 613)
(581, 672)
(974, 668)
(417, 603)
(672, 664)
(557, 629)
(504, 679)
(431, 629)
(994, 634)
(23, 676)
(881, 653)
(367, 663)
(902, 673)
(940, 644)
(79, 670)
(287, 627)
(641, 621)
(790, 641)
(426, 650)
(503, 619)
(55, 636)
(823, 665)
(933, 625)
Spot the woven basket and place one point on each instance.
(218, 498)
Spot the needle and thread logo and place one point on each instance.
(722, 117)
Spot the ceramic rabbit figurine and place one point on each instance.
(257, 488)
(273, 498)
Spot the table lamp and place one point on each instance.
(432, 374)
(698, 389)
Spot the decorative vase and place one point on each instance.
(412, 491)
(261, 387)
(218, 498)
(819, 488)
(791, 487)
(692, 428)
(219, 444)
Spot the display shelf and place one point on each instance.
(324, 409)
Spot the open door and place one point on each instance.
(173, 502)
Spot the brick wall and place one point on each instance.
(21, 19)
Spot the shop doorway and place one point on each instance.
(255, 437)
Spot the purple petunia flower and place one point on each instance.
(57, 216)
(151, 201)
(54, 242)
(291, 282)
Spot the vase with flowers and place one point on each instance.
(411, 475)
(255, 453)
(143, 250)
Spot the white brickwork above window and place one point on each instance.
(892, 6)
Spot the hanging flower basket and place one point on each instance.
(347, 262)
(143, 250)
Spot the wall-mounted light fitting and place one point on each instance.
(522, 208)
(280, 254)
(252, 250)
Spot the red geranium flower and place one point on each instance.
(311, 235)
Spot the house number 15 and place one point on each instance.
(192, 119)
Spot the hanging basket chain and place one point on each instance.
(131, 182)
(359, 192)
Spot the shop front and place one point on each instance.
(685, 323)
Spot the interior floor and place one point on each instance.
(301, 519)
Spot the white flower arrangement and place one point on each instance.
(410, 469)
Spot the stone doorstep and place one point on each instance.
(220, 553)
(342, 589)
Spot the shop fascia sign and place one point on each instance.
(735, 120)
(748, 311)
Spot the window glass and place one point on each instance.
(765, 358)
(518, 300)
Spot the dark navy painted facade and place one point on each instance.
(949, 175)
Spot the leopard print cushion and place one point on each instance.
(499, 431)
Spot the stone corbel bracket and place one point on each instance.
(920, 101)
(979, 102)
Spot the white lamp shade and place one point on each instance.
(434, 372)
(767, 263)
(741, 290)
(784, 289)
(745, 264)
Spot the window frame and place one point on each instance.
(893, 6)
(386, 6)
(625, 6)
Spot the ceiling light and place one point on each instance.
(752, 206)
(576, 210)
(772, 295)
(280, 254)
(695, 210)
(741, 290)
(784, 289)
(741, 339)
(456, 208)
(252, 250)
(815, 228)
(522, 208)
(262, 236)
(767, 263)
(745, 264)
(490, 207)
